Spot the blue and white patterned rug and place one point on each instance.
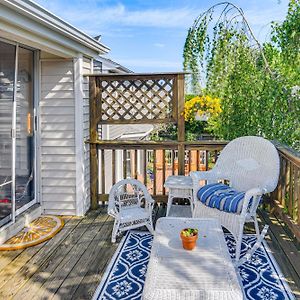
(125, 275)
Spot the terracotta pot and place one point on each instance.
(189, 242)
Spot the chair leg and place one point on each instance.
(169, 204)
(149, 226)
(250, 252)
(239, 243)
(256, 227)
(115, 231)
(192, 206)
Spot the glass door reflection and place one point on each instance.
(7, 76)
(24, 129)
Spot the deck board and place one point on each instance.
(45, 266)
(93, 277)
(71, 264)
(85, 252)
(284, 250)
(49, 258)
(56, 279)
(85, 263)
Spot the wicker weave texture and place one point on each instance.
(206, 272)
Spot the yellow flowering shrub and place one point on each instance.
(201, 105)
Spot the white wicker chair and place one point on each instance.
(131, 205)
(251, 165)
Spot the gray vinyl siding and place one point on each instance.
(57, 113)
(86, 126)
(115, 131)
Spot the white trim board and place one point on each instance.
(78, 94)
(45, 19)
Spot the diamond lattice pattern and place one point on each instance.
(146, 99)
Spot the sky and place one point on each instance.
(148, 36)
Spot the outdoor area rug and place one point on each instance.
(125, 275)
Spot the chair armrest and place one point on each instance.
(212, 176)
(256, 193)
(203, 175)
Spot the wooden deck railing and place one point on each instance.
(285, 200)
(159, 98)
(151, 162)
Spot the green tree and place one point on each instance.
(258, 84)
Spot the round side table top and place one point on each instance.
(179, 182)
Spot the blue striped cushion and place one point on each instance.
(222, 197)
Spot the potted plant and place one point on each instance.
(189, 238)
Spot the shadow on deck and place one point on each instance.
(70, 265)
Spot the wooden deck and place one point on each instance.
(70, 265)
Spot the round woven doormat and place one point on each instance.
(38, 231)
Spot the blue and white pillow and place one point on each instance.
(222, 197)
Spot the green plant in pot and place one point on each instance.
(189, 238)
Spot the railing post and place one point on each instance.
(180, 123)
(94, 164)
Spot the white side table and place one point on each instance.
(179, 187)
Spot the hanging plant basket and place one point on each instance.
(201, 108)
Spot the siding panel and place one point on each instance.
(62, 134)
(59, 159)
(59, 190)
(67, 142)
(59, 206)
(55, 182)
(56, 127)
(58, 151)
(63, 118)
(58, 162)
(57, 95)
(62, 166)
(56, 80)
(57, 102)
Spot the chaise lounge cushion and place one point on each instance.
(222, 197)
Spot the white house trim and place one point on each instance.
(38, 28)
(27, 37)
(78, 94)
(54, 23)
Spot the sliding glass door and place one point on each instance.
(17, 144)
(24, 129)
(7, 80)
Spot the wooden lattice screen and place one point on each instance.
(134, 98)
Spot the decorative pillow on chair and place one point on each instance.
(222, 197)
